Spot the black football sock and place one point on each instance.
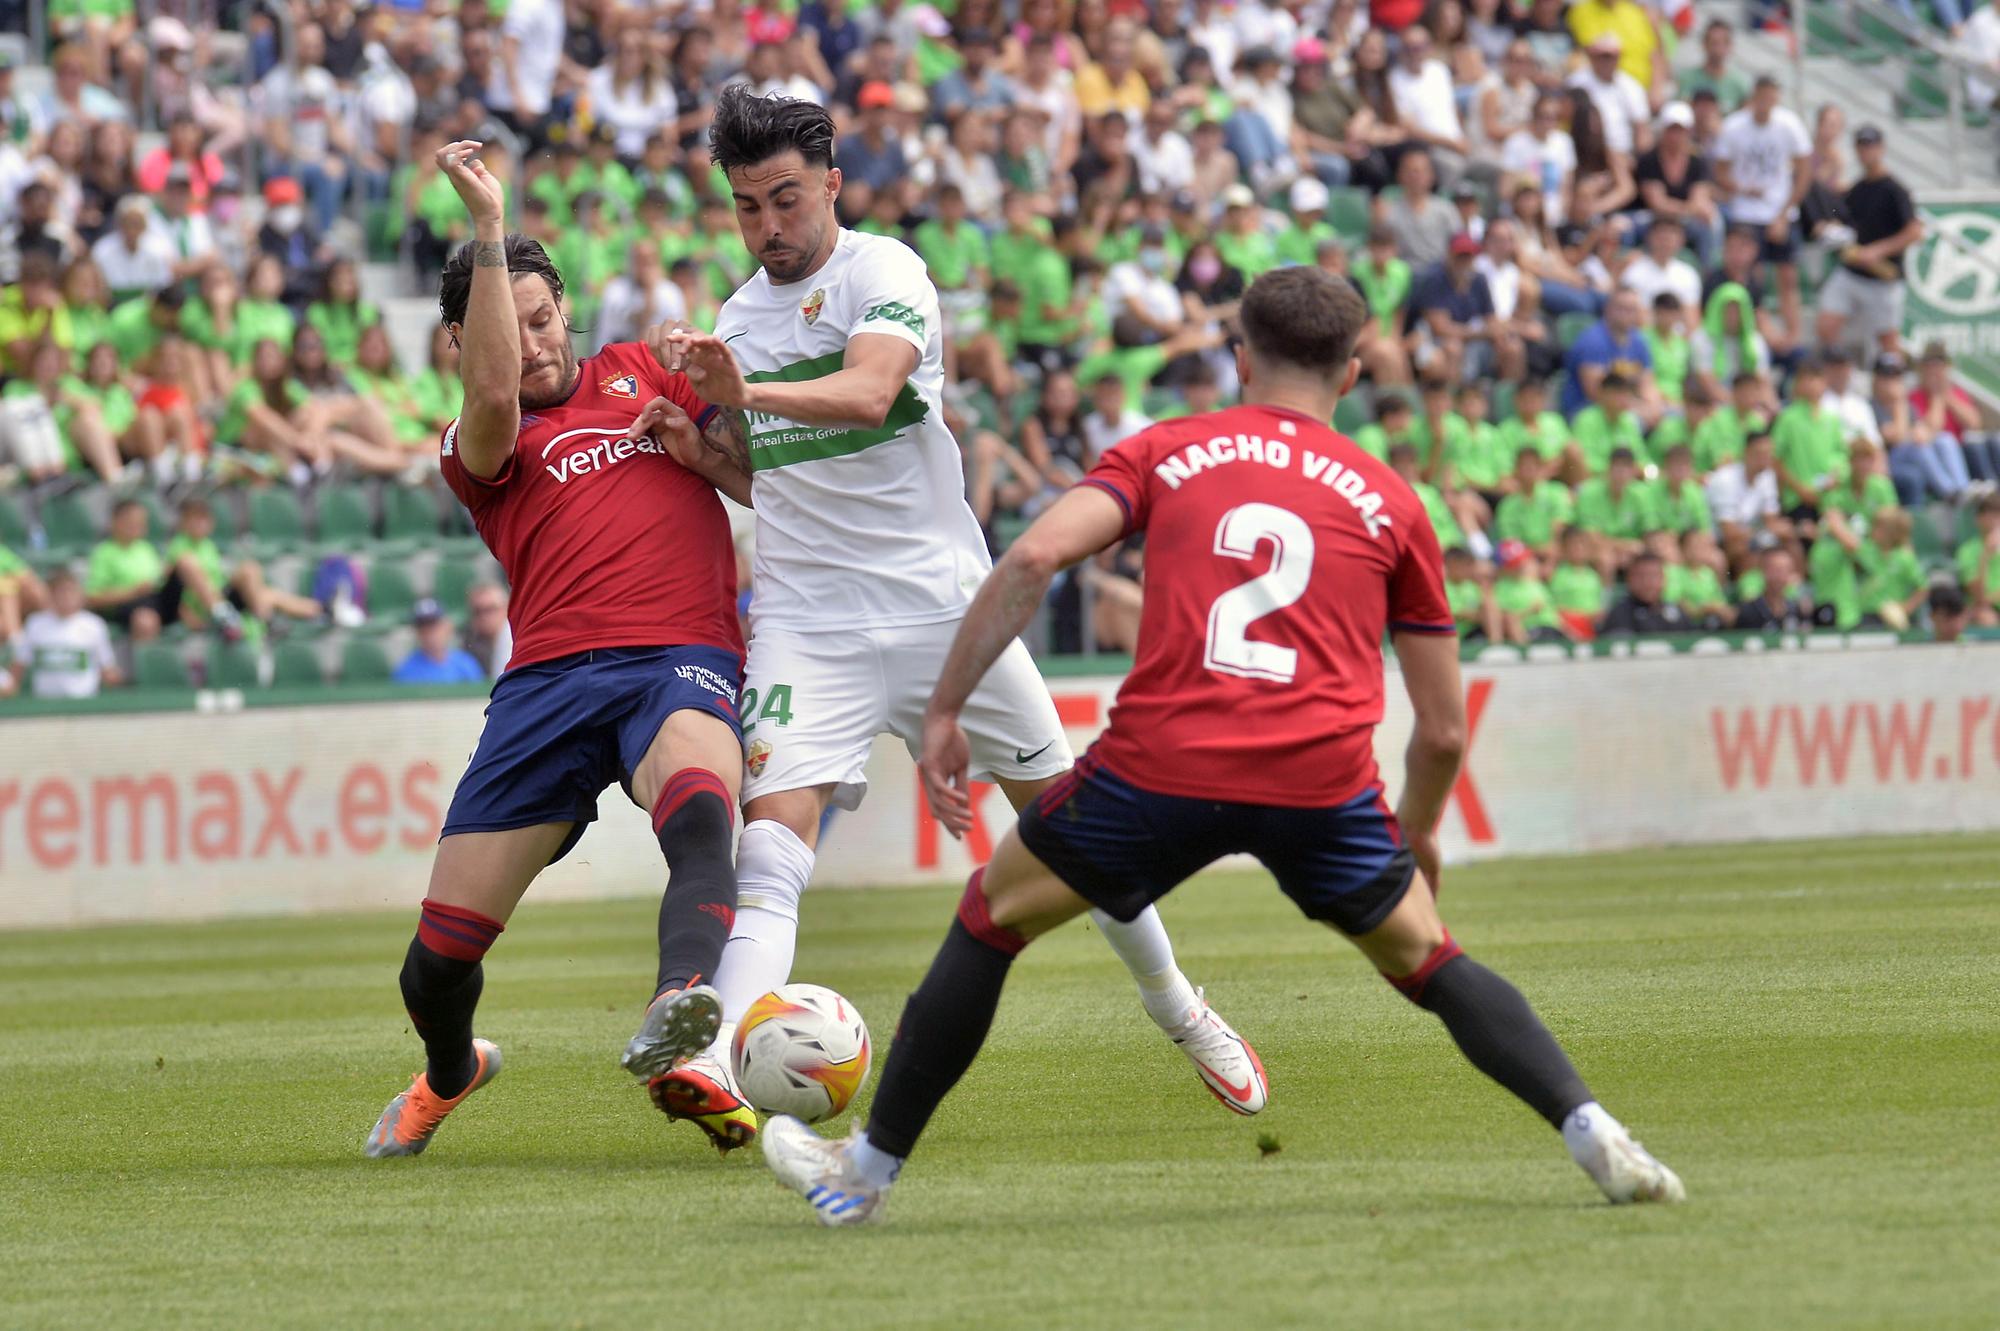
(441, 981)
(1497, 1031)
(944, 1024)
(693, 819)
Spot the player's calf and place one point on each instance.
(441, 981)
(693, 818)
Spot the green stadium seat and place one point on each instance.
(226, 506)
(1572, 326)
(1502, 406)
(68, 522)
(1008, 530)
(13, 525)
(1351, 413)
(233, 665)
(362, 661)
(159, 526)
(296, 665)
(346, 518)
(452, 580)
(409, 514)
(276, 517)
(1826, 33)
(1876, 38)
(158, 666)
(1347, 212)
(390, 592)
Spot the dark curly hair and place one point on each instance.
(749, 129)
(524, 255)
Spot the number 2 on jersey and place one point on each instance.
(1242, 531)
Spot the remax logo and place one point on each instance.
(611, 447)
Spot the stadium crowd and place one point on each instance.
(1638, 343)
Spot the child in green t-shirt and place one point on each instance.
(1445, 520)
(1719, 439)
(1680, 504)
(1667, 339)
(1471, 604)
(1480, 461)
(1695, 584)
(1527, 611)
(1384, 279)
(1440, 434)
(1535, 510)
(1299, 242)
(1807, 439)
(1617, 510)
(340, 313)
(1893, 585)
(1865, 490)
(1394, 423)
(1609, 423)
(1576, 586)
(1978, 561)
(1534, 426)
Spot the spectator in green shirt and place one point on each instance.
(1576, 587)
(203, 574)
(1609, 423)
(1383, 357)
(1865, 490)
(1300, 241)
(1245, 244)
(954, 249)
(1811, 450)
(1527, 611)
(1439, 434)
(561, 180)
(1716, 73)
(1534, 426)
(1694, 577)
(1667, 339)
(1481, 462)
(376, 375)
(1680, 505)
(603, 173)
(32, 311)
(85, 440)
(1536, 509)
(137, 325)
(1617, 509)
(1470, 599)
(590, 252)
(1978, 563)
(138, 432)
(439, 392)
(1384, 280)
(1719, 439)
(340, 314)
(1024, 254)
(131, 584)
(1893, 585)
(1395, 423)
(1403, 461)
(87, 297)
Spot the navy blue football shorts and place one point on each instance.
(1121, 848)
(558, 732)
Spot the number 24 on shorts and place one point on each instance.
(777, 706)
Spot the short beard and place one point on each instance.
(802, 267)
(560, 394)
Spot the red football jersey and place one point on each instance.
(1277, 555)
(606, 543)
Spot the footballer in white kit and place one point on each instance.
(866, 559)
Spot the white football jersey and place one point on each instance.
(855, 527)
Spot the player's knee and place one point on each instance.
(772, 868)
(694, 813)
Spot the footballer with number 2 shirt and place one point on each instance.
(627, 656)
(1278, 556)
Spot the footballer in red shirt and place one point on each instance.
(1278, 556)
(593, 483)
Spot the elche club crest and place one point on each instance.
(619, 385)
(812, 305)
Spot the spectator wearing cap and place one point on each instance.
(1422, 223)
(1763, 170)
(1427, 103)
(1112, 81)
(977, 84)
(1948, 411)
(1674, 181)
(1244, 241)
(1644, 610)
(1308, 229)
(1861, 304)
(134, 257)
(302, 119)
(1459, 337)
(1323, 111)
(1631, 26)
(436, 659)
(1923, 463)
(871, 157)
(1620, 99)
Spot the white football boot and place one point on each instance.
(820, 1171)
(1625, 1170)
(1224, 1060)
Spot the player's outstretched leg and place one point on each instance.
(941, 1031)
(1224, 1060)
(1500, 1034)
(441, 981)
(692, 819)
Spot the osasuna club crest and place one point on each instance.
(812, 305)
(620, 385)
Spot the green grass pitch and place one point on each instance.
(1807, 1032)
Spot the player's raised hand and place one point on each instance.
(663, 420)
(711, 367)
(477, 187)
(660, 341)
(945, 768)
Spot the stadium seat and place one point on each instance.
(409, 514)
(68, 523)
(275, 516)
(1351, 413)
(158, 666)
(13, 525)
(1572, 326)
(390, 591)
(346, 517)
(1347, 212)
(233, 665)
(159, 527)
(296, 665)
(1502, 406)
(453, 579)
(363, 661)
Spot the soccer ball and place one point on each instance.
(801, 1050)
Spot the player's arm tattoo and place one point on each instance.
(489, 254)
(729, 435)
